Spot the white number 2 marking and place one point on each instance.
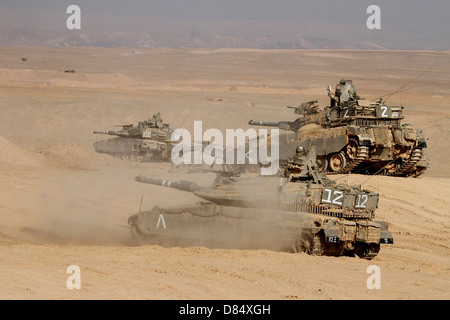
(346, 113)
(336, 199)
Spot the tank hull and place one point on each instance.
(383, 150)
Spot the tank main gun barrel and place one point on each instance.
(284, 125)
(111, 133)
(180, 185)
(263, 123)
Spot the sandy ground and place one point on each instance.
(62, 204)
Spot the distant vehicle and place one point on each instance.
(149, 140)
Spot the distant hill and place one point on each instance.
(302, 36)
(14, 37)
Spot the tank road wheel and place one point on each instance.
(322, 163)
(352, 149)
(367, 250)
(337, 162)
(310, 244)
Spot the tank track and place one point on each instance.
(418, 172)
(312, 244)
(318, 245)
(367, 251)
(407, 168)
(363, 154)
(126, 156)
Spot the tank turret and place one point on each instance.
(309, 113)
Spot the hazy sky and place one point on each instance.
(427, 19)
(423, 12)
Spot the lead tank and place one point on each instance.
(355, 135)
(149, 140)
(300, 211)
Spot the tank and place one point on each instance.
(149, 140)
(354, 135)
(301, 210)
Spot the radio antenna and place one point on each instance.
(140, 207)
(402, 87)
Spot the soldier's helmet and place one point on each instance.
(300, 151)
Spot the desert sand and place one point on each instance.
(63, 204)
